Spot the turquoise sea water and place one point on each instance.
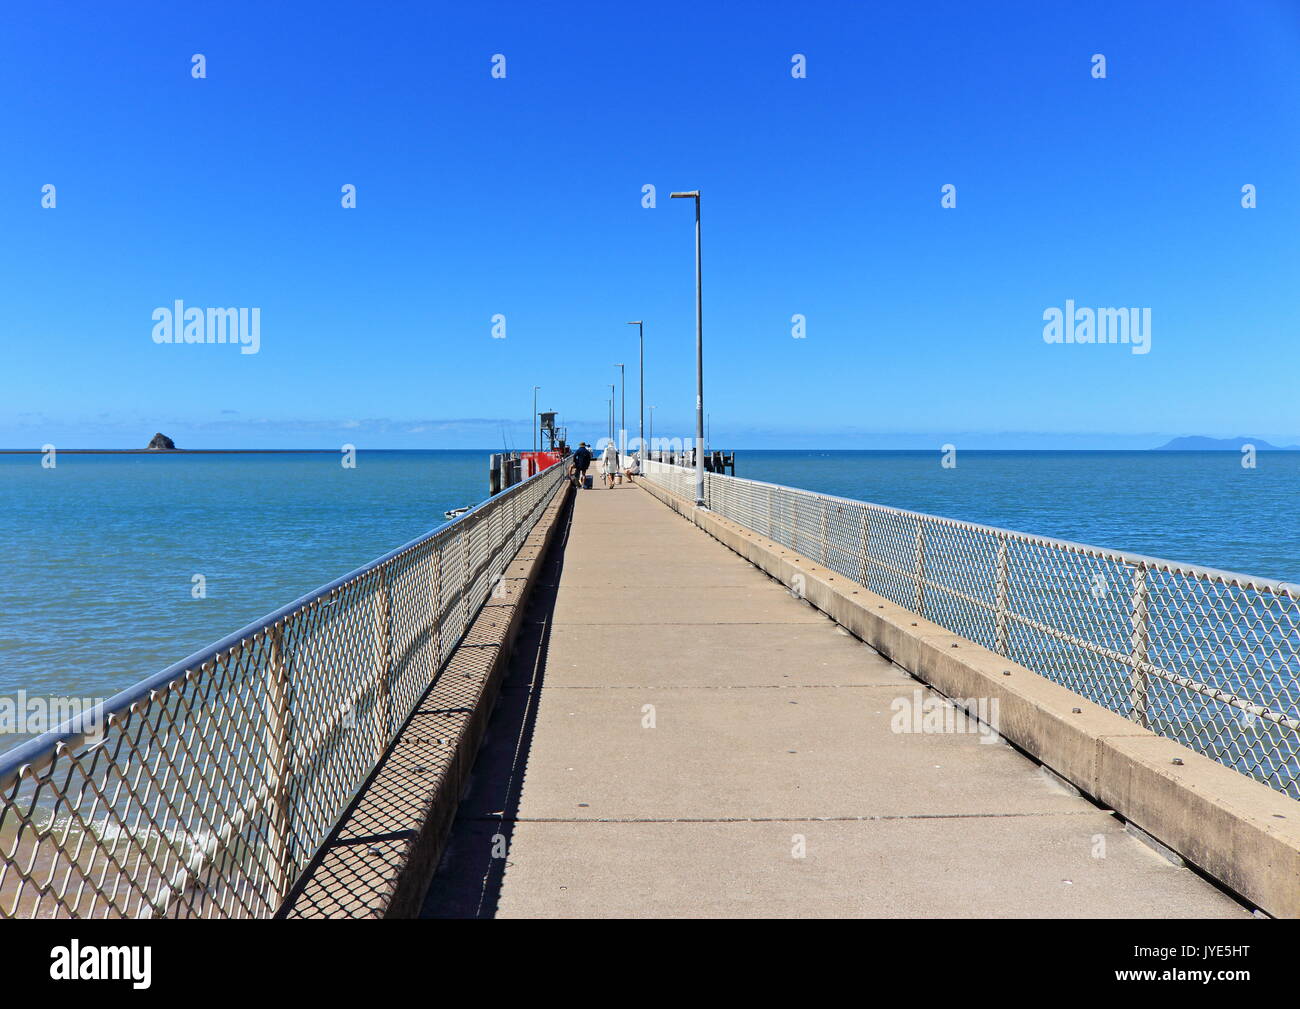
(97, 555)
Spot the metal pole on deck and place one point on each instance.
(641, 375)
(1139, 645)
(278, 761)
(622, 432)
(699, 355)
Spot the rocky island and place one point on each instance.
(161, 443)
(1199, 443)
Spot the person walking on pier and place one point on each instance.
(609, 464)
(581, 460)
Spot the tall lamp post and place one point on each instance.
(652, 429)
(699, 355)
(535, 388)
(641, 374)
(612, 401)
(622, 431)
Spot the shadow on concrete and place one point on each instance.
(468, 881)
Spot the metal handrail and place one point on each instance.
(1270, 585)
(217, 778)
(71, 732)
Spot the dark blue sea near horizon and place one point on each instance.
(97, 556)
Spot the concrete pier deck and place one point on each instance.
(678, 736)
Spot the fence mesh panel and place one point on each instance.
(1208, 658)
(210, 787)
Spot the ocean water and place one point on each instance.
(97, 555)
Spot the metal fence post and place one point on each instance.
(383, 654)
(919, 566)
(462, 603)
(771, 513)
(825, 545)
(1001, 593)
(1139, 645)
(435, 594)
(864, 569)
(276, 713)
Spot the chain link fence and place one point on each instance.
(206, 790)
(1208, 658)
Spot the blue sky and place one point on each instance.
(522, 196)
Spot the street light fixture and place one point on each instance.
(699, 355)
(535, 388)
(641, 373)
(622, 433)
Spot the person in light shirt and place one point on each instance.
(632, 468)
(609, 464)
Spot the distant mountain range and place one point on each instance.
(1198, 443)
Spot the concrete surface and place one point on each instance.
(771, 783)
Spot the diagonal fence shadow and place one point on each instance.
(469, 878)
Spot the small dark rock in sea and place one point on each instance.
(161, 443)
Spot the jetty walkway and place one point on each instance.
(679, 735)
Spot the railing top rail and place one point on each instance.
(40, 748)
(1231, 578)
